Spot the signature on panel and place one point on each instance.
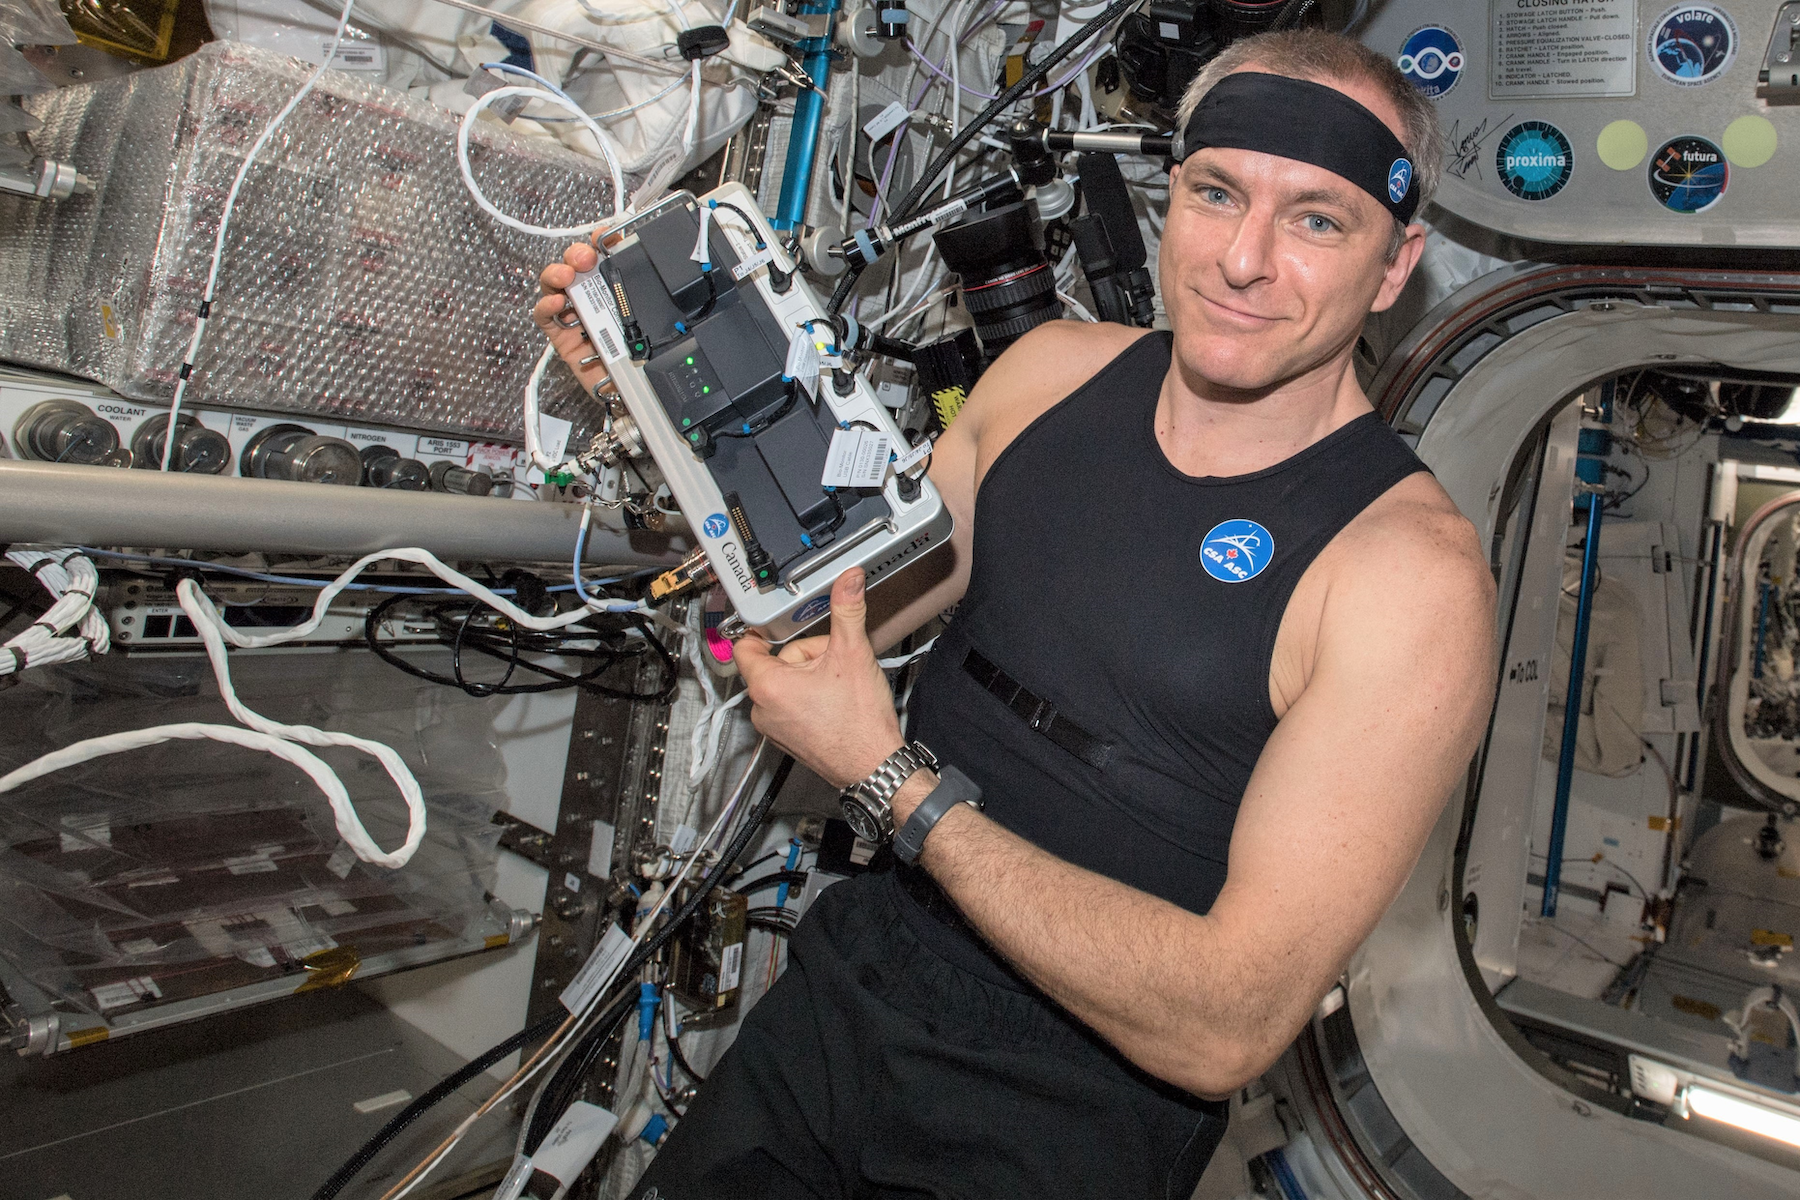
(1465, 148)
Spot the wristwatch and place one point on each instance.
(869, 804)
(953, 788)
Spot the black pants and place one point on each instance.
(875, 1068)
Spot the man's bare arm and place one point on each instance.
(1333, 819)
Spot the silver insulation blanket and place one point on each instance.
(359, 278)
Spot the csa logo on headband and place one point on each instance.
(1236, 551)
(1399, 180)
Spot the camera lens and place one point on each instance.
(1007, 283)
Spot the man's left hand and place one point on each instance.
(825, 699)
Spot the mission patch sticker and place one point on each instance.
(1692, 44)
(1688, 175)
(1236, 551)
(1432, 60)
(1533, 160)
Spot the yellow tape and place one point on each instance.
(87, 1037)
(495, 941)
(1695, 1008)
(329, 968)
(1769, 937)
(1659, 824)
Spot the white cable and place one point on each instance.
(606, 150)
(114, 743)
(212, 273)
(72, 628)
(213, 630)
(574, 1030)
(534, 438)
(1075, 305)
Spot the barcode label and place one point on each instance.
(607, 344)
(731, 965)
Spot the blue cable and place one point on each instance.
(581, 586)
(1284, 1175)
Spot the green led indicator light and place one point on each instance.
(690, 360)
(705, 391)
(694, 436)
(686, 421)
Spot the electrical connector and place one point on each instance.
(693, 573)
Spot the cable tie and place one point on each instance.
(187, 368)
(83, 593)
(205, 309)
(38, 564)
(18, 658)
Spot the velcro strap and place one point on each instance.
(1037, 712)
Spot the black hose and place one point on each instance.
(1005, 100)
(660, 938)
(446, 1088)
(566, 1083)
(544, 1028)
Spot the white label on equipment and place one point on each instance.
(702, 247)
(598, 971)
(127, 991)
(341, 860)
(443, 448)
(355, 56)
(250, 864)
(1585, 49)
(573, 1141)
(599, 863)
(803, 361)
(765, 255)
(731, 966)
(913, 457)
(572, 881)
(886, 121)
(857, 458)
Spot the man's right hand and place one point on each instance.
(555, 308)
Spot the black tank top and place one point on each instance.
(1144, 604)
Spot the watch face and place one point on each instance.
(863, 823)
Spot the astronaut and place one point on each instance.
(1155, 790)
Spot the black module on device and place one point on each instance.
(714, 353)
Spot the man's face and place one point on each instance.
(1269, 265)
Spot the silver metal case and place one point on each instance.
(881, 548)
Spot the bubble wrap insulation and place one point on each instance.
(359, 279)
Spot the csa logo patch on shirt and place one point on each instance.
(1237, 550)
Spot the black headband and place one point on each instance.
(1307, 122)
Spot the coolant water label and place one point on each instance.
(857, 458)
(1579, 48)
